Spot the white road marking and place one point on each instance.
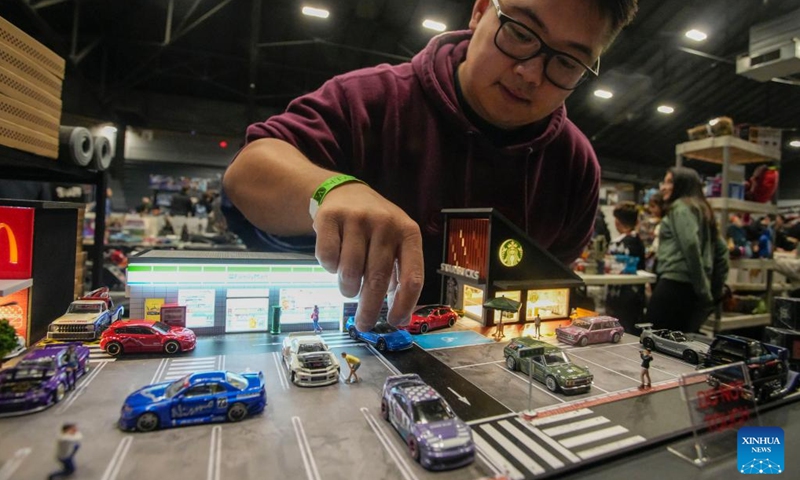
(514, 450)
(476, 365)
(209, 360)
(80, 389)
(553, 444)
(281, 373)
(527, 380)
(579, 440)
(606, 368)
(381, 359)
(159, 370)
(13, 463)
(305, 450)
(610, 447)
(537, 449)
(215, 453)
(489, 419)
(638, 362)
(560, 416)
(575, 426)
(399, 459)
(594, 385)
(114, 466)
(221, 362)
(488, 451)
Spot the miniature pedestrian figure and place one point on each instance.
(646, 359)
(537, 322)
(353, 362)
(315, 320)
(71, 362)
(68, 444)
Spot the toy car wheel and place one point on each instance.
(172, 347)
(690, 356)
(511, 363)
(413, 448)
(583, 341)
(551, 384)
(61, 391)
(113, 349)
(237, 412)
(451, 322)
(615, 338)
(385, 410)
(649, 343)
(381, 345)
(147, 422)
(423, 328)
(353, 333)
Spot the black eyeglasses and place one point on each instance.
(521, 43)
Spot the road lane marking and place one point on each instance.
(534, 447)
(13, 463)
(399, 458)
(610, 447)
(595, 436)
(281, 374)
(560, 416)
(638, 363)
(606, 368)
(221, 362)
(575, 426)
(553, 444)
(476, 365)
(528, 380)
(80, 389)
(158, 372)
(305, 450)
(385, 362)
(215, 453)
(115, 465)
(489, 452)
(510, 447)
(178, 361)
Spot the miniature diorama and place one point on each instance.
(585, 330)
(551, 366)
(204, 397)
(673, 342)
(435, 436)
(140, 336)
(431, 317)
(383, 336)
(309, 360)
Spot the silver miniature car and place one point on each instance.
(672, 342)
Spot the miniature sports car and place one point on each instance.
(435, 436)
(196, 398)
(672, 342)
(383, 336)
(551, 366)
(132, 336)
(39, 379)
(585, 330)
(430, 317)
(308, 359)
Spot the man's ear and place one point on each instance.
(478, 11)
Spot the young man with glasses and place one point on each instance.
(476, 119)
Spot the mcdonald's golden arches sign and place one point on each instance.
(16, 242)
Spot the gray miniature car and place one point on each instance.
(672, 342)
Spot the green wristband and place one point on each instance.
(325, 187)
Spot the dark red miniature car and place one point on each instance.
(430, 317)
(133, 336)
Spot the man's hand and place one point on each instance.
(375, 249)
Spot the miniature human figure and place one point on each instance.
(537, 322)
(315, 320)
(646, 359)
(69, 441)
(71, 363)
(495, 91)
(353, 362)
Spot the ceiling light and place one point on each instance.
(713, 121)
(603, 93)
(316, 12)
(665, 109)
(795, 143)
(696, 35)
(434, 25)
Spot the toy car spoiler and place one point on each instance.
(643, 326)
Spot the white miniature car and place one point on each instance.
(309, 360)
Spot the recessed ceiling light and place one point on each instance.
(795, 143)
(316, 12)
(665, 109)
(696, 35)
(603, 93)
(434, 25)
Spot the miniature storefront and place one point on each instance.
(486, 256)
(232, 292)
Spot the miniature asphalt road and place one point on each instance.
(335, 432)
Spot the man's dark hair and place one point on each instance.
(620, 12)
(67, 427)
(626, 213)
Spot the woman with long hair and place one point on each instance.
(692, 257)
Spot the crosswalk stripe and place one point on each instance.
(575, 426)
(610, 447)
(496, 458)
(551, 442)
(537, 449)
(190, 368)
(514, 450)
(595, 436)
(559, 417)
(176, 361)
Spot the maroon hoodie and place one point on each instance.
(401, 129)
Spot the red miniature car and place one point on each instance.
(430, 317)
(146, 336)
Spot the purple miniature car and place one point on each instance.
(39, 379)
(436, 438)
(585, 330)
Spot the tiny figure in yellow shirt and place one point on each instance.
(353, 362)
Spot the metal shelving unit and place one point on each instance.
(727, 151)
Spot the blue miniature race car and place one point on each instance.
(383, 336)
(196, 398)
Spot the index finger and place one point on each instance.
(410, 279)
